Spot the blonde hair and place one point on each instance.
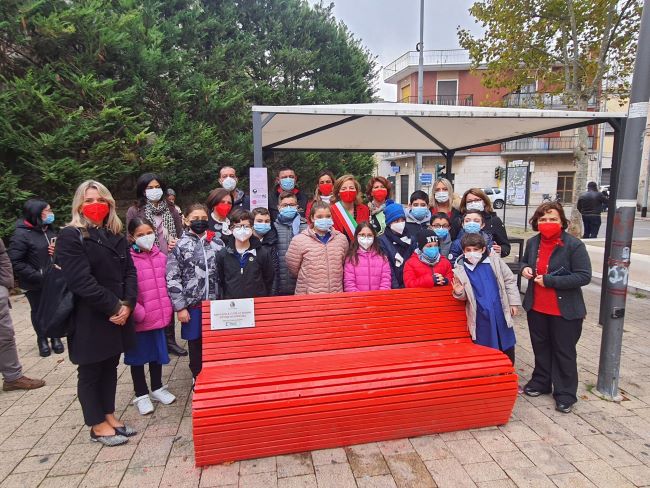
(112, 222)
(454, 200)
(339, 183)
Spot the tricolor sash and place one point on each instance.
(349, 224)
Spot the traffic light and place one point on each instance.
(497, 173)
(440, 171)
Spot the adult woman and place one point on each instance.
(168, 226)
(556, 266)
(378, 193)
(476, 199)
(444, 200)
(347, 208)
(219, 205)
(99, 271)
(30, 251)
(323, 191)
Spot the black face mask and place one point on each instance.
(199, 226)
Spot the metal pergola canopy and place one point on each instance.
(406, 127)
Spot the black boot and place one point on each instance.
(172, 346)
(43, 347)
(57, 345)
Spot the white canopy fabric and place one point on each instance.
(380, 127)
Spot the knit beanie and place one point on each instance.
(393, 211)
(425, 237)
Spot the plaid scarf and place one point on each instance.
(162, 209)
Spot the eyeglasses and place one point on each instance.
(244, 227)
(440, 226)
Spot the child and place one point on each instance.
(192, 278)
(288, 224)
(366, 267)
(152, 313)
(441, 225)
(263, 229)
(490, 291)
(244, 266)
(396, 243)
(418, 215)
(473, 223)
(426, 267)
(315, 256)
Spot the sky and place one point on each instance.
(389, 28)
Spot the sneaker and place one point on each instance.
(163, 396)
(144, 405)
(22, 383)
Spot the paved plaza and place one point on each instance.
(43, 442)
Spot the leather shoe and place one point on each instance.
(43, 347)
(172, 345)
(22, 383)
(534, 392)
(57, 345)
(563, 407)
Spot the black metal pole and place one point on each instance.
(623, 228)
(505, 195)
(527, 196)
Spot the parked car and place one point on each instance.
(496, 196)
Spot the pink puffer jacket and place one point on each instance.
(154, 308)
(372, 272)
(318, 266)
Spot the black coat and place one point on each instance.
(28, 254)
(100, 273)
(255, 279)
(591, 202)
(398, 252)
(273, 202)
(573, 257)
(270, 241)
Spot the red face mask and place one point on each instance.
(380, 194)
(96, 212)
(348, 196)
(325, 189)
(550, 230)
(223, 208)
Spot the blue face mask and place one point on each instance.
(261, 228)
(442, 233)
(49, 219)
(287, 184)
(323, 224)
(420, 213)
(431, 252)
(288, 212)
(472, 227)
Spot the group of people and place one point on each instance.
(128, 286)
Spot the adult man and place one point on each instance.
(590, 204)
(12, 371)
(286, 181)
(228, 180)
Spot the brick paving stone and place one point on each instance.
(494, 441)
(16, 442)
(259, 480)
(180, 473)
(31, 479)
(449, 473)
(576, 452)
(335, 475)
(572, 480)
(384, 481)
(152, 451)
(294, 465)
(431, 447)
(517, 431)
(409, 471)
(104, 475)
(545, 457)
(609, 450)
(220, 475)
(602, 474)
(489, 471)
(366, 460)
(55, 441)
(530, 478)
(639, 475)
(468, 451)
(512, 459)
(116, 453)
(77, 458)
(36, 463)
(497, 484)
(303, 481)
(148, 477)
(636, 424)
(329, 456)
(639, 448)
(261, 465)
(69, 481)
(398, 446)
(611, 428)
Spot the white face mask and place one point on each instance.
(242, 234)
(229, 183)
(398, 227)
(365, 242)
(146, 242)
(153, 194)
(441, 196)
(473, 257)
(477, 205)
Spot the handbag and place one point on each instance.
(54, 316)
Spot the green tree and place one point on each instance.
(108, 89)
(581, 49)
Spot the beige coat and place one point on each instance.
(508, 291)
(318, 266)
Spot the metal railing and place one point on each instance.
(431, 58)
(539, 100)
(541, 144)
(464, 100)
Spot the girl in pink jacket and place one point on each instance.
(152, 313)
(366, 267)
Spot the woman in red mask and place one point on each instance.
(556, 266)
(347, 207)
(220, 204)
(98, 269)
(378, 193)
(323, 191)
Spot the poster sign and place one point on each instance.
(259, 188)
(516, 185)
(232, 314)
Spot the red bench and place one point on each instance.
(326, 371)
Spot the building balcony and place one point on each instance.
(441, 60)
(464, 100)
(540, 100)
(559, 145)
